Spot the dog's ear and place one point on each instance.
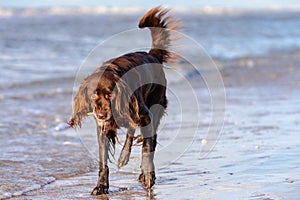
(125, 103)
(83, 102)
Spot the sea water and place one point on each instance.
(39, 44)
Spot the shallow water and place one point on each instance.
(256, 156)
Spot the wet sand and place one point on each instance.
(256, 156)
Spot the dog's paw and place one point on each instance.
(124, 158)
(99, 190)
(148, 179)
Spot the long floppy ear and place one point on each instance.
(125, 105)
(83, 101)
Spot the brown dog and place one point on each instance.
(129, 91)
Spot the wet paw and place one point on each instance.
(100, 190)
(124, 158)
(148, 179)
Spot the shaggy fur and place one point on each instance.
(125, 92)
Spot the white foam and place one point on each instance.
(6, 12)
(63, 129)
(26, 12)
(206, 10)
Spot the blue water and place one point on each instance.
(49, 44)
(37, 44)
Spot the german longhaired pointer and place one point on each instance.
(129, 91)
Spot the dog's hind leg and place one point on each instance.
(126, 150)
(149, 133)
(103, 177)
(147, 176)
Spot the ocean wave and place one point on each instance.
(25, 12)
(206, 10)
(6, 12)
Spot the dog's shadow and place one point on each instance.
(128, 193)
(135, 191)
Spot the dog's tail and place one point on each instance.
(162, 32)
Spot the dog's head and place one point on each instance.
(103, 97)
(107, 97)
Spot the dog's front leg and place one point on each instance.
(103, 177)
(147, 177)
(126, 150)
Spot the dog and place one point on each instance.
(129, 91)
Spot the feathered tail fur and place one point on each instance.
(162, 32)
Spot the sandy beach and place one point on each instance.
(256, 155)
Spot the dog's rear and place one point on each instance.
(90, 100)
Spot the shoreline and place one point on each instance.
(276, 70)
(224, 66)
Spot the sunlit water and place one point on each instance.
(38, 45)
(256, 156)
